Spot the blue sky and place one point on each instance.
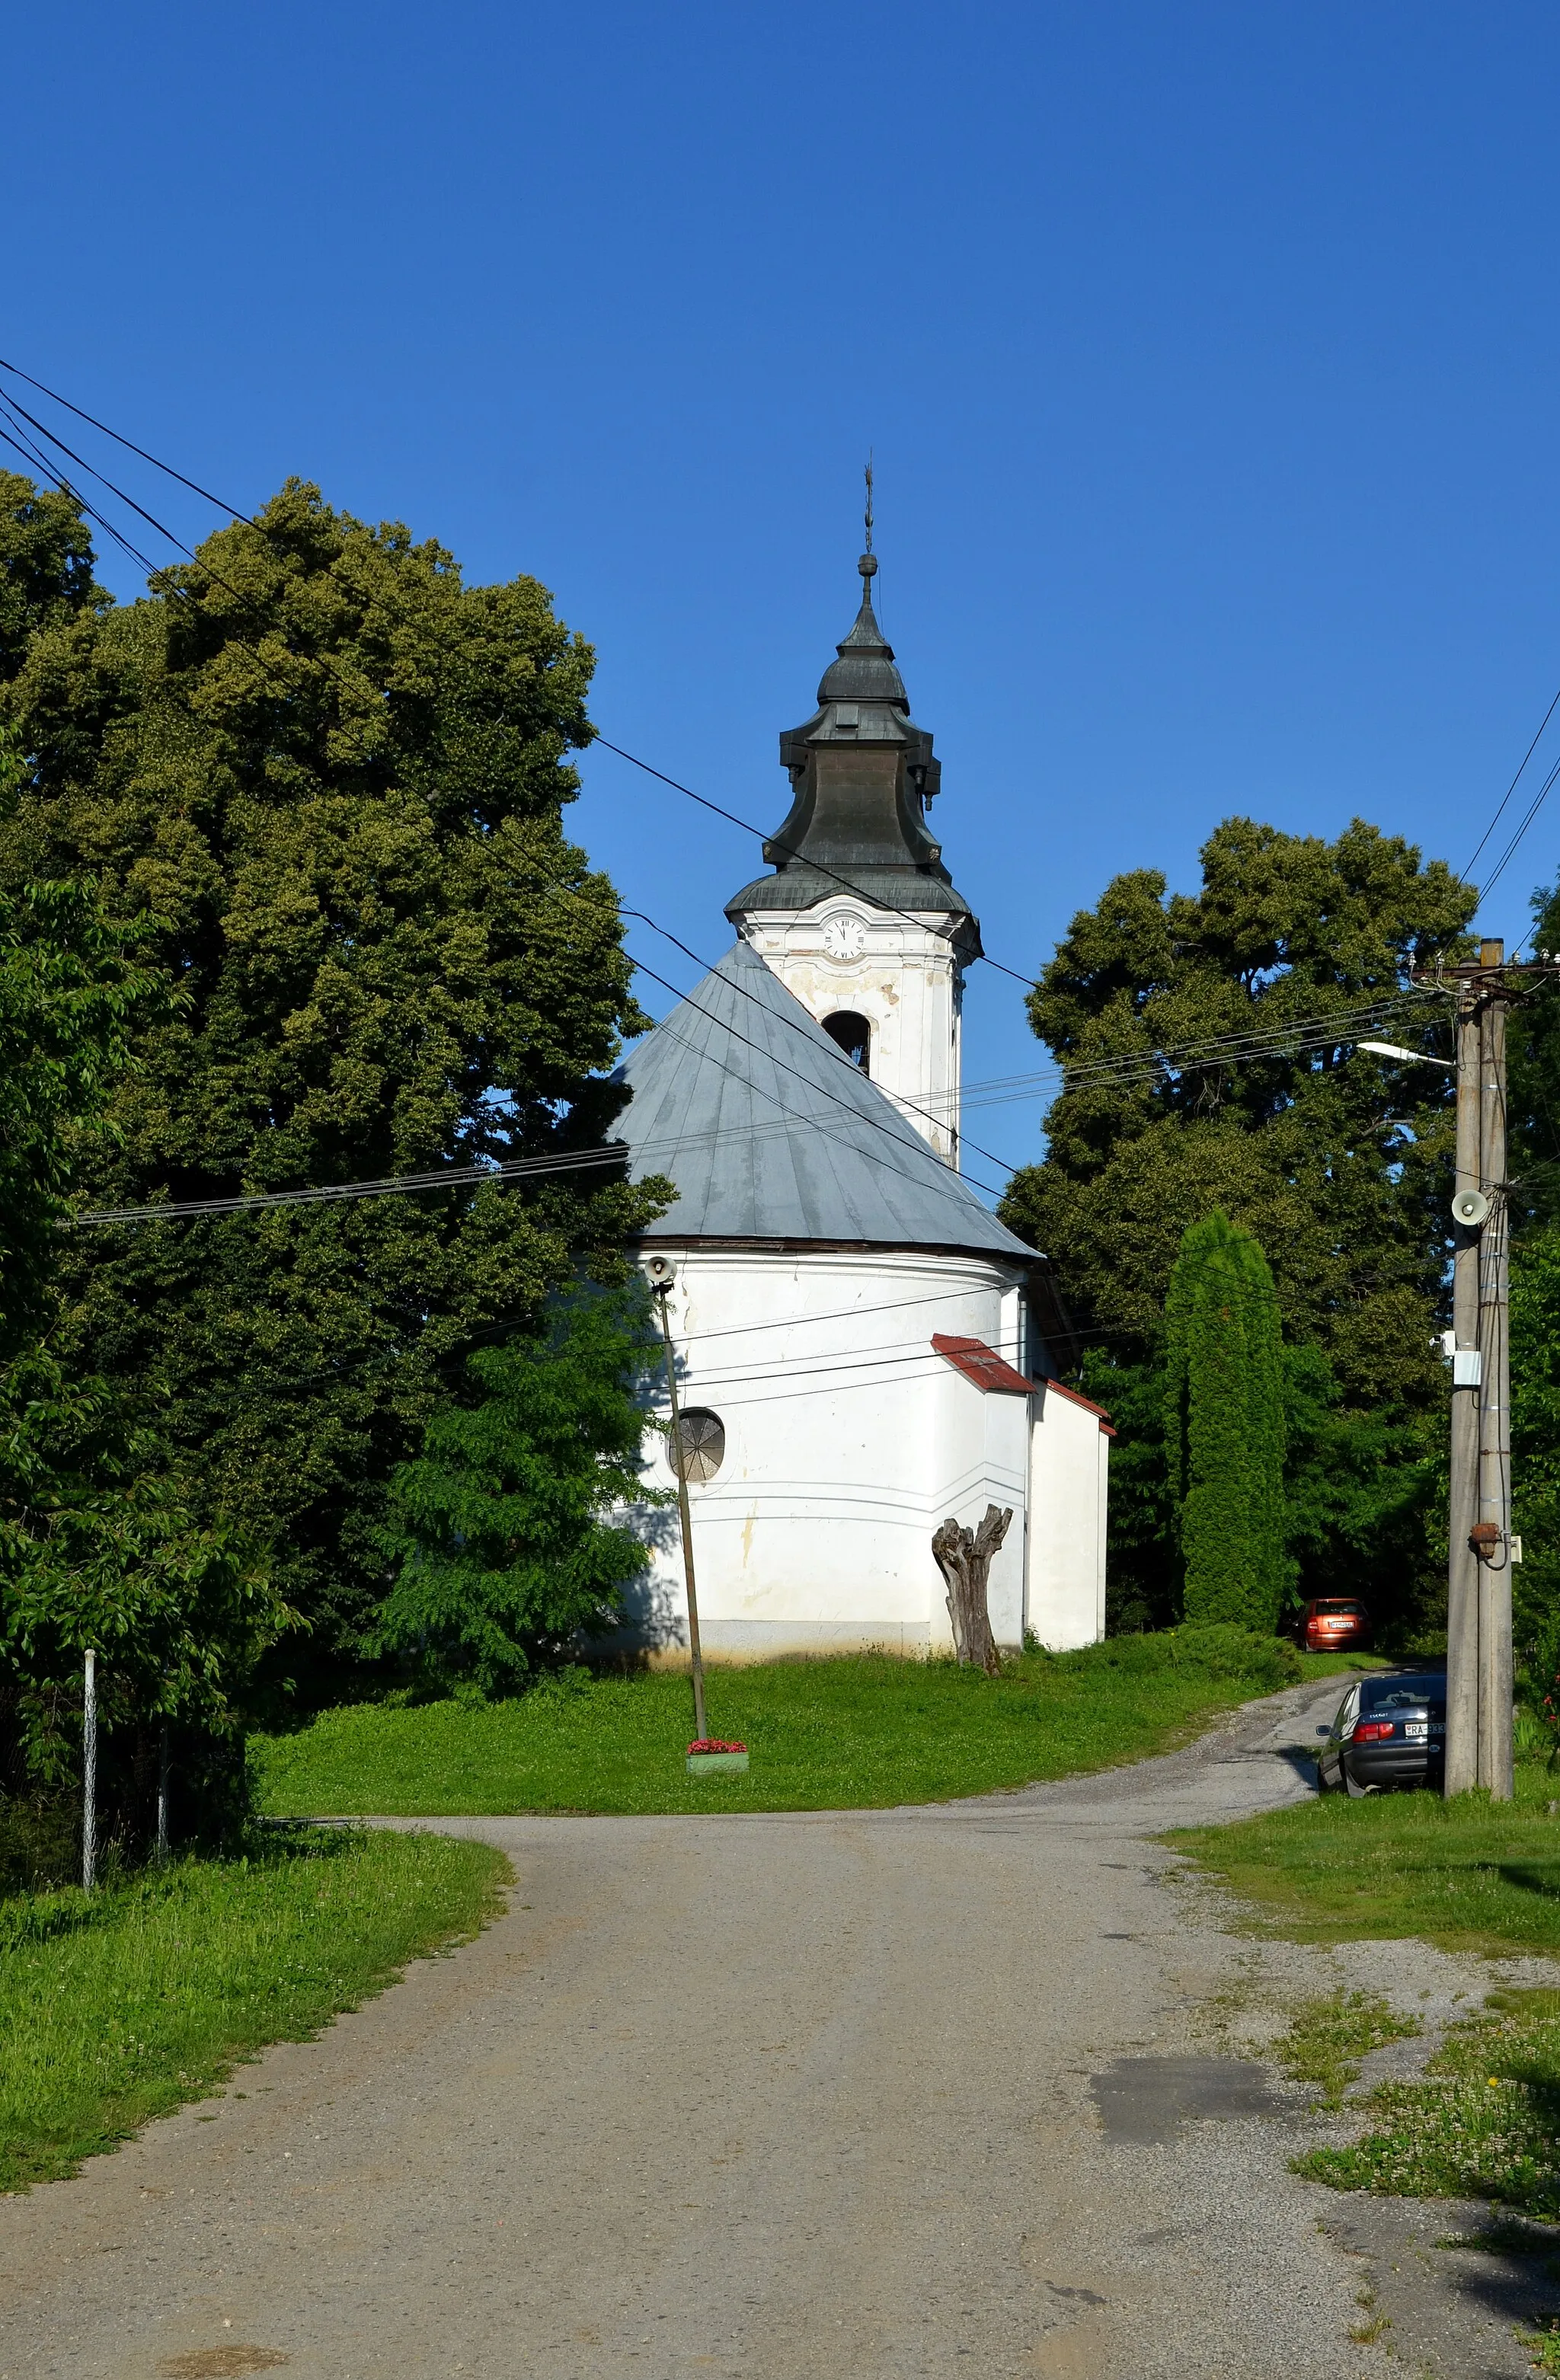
(1208, 354)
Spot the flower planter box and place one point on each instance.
(702, 1759)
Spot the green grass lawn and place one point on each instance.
(855, 1733)
(117, 2005)
(1334, 1664)
(1471, 1874)
(1484, 2121)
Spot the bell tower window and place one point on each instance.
(854, 1036)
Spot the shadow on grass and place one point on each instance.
(1531, 1879)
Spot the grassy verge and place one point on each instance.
(1484, 2123)
(115, 2007)
(1470, 1875)
(855, 1733)
(1329, 2037)
(1337, 1665)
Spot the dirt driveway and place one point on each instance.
(875, 2096)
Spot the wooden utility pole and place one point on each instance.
(1479, 1658)
(660, 1290)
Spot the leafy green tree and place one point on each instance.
(1335, 1161)
(70, 998)
(501, 1529)
(95, 1549)
(1533, 1080)
(45, 567)
(1535, 1449)
(1534, 1056)
(326, 779)
(1223, 1428)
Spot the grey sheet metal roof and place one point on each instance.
(770, 1134)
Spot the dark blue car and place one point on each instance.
(1391, 1730)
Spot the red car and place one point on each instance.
(1332, 1624)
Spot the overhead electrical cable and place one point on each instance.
(104, 481)
(453, 1177)
(30, 454)
(910, 917)
(193, 485)
(774, 843)
(1289, 1037)
(1505, 797)
(325, 661)
(1535, 806)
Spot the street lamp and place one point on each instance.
(1413, 1056)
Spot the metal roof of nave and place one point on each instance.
(771, 1133)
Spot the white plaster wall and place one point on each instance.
(1064, 1585)
(847, 1441)
(907, 983)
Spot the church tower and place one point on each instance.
(859, 918)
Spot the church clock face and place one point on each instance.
(844, 937)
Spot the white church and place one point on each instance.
(863, 1351)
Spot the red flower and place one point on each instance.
(713, 1743)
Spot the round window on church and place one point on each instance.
(697, 1446)
(854, 1036)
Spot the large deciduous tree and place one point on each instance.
(325, 779)
(1337, 1162)
(96, 1548)
(45, 567)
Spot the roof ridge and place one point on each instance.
(855, 1168)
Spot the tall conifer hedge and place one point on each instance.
(1224, 1437)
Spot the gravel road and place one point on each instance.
(882, 2094)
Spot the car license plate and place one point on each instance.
(1416, 1727)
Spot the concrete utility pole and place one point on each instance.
(660, 1290)
(1479, 1659)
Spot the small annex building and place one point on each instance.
(863, 1350)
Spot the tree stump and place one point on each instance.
(963, 1557)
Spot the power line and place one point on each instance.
(1505, 797)
(908, 915)
(30, 453)
(791, 853)
(793, 1024)
(327, 662)
(1232, 1049)
(336, 1192)
(81, 463)
(1533, 810)
(1294, 1035)
(53, 394)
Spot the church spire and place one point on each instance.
(860, 918)
(863, 778)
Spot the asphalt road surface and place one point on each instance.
(875, 2094)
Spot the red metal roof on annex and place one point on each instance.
(989, 1371)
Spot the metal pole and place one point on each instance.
(89, 1775)
(162, 1795)
(1462, 1565)
(1495, 1769)
(661, 1292)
